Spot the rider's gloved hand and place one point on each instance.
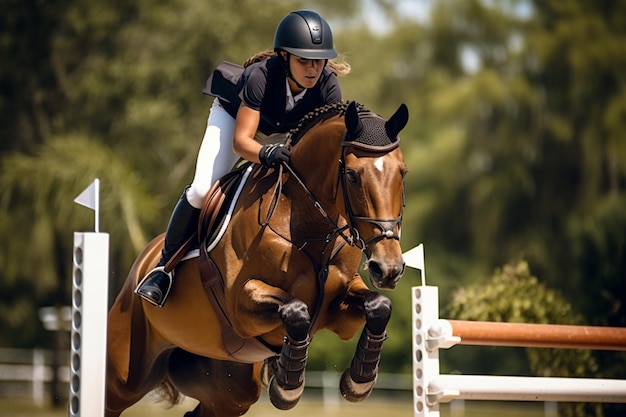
(273, 155)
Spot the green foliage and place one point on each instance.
(38, 191)
(514, 153)
(514, 295)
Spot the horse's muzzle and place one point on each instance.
(385, 275)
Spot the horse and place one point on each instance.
(285, 266)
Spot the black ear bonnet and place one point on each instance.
(370, 132)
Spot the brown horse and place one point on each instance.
(288, 266)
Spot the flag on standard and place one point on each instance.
(414, 258)
(90, 198)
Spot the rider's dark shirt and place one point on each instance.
(261, 86)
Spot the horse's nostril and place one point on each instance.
(374, 268)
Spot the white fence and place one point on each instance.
(26, 373)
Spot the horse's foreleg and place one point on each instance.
(287, 383)
(358, 381)
(266, 307)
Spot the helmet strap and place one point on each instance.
(287, 64)
(288, 70)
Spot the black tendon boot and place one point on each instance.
(155, 287)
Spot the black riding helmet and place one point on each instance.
(306, 34)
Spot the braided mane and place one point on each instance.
(319, 115)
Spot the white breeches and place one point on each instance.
(216, 156)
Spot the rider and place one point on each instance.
(253, 110)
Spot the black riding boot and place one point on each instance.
(155, 287)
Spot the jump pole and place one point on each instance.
(484, 333)
(516, 388)
(89, 315)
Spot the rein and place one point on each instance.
(336, 229)
(321, 269)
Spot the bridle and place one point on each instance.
(350, 232)
(387, 227)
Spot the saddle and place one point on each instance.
(214, 217)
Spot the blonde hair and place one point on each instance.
(337, 65)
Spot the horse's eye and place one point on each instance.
(352, 177)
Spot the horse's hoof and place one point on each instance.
(354, 391)
(284, 399)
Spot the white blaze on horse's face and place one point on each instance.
(380, 162)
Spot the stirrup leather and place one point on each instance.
(170, 275)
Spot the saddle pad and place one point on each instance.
(213, 212)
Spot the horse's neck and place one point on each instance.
(316, 158)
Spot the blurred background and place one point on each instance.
(516, 148)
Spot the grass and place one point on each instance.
(312, 405)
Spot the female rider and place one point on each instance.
(254, 108)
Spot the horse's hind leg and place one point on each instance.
(358, 381)
(223, 388)
(131, 373)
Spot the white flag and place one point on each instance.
(89, 197)
(414, 258)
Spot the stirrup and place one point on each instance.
(169, 274)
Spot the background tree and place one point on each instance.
(519, 156)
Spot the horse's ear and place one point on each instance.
(397, 122)
(353, 121)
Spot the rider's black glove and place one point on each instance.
(273, 155)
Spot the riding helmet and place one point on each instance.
(306, 34)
